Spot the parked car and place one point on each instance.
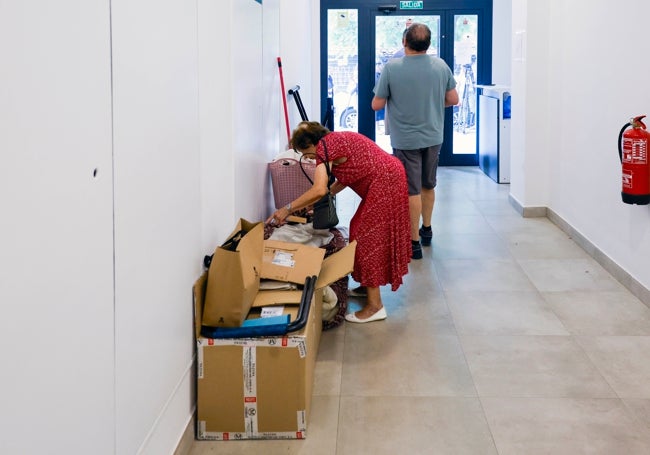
(345, 108)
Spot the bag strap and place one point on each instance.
(303, 169)
(330, 177)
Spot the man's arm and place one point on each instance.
(451, 97)
(378, 103)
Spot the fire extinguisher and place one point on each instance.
(633, 154)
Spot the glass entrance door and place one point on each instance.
(453, 39)
(466, 57)
(389, 30)
(343, 67)
(360, 38)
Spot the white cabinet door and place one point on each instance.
(56, 228)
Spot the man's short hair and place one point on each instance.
(418, 37)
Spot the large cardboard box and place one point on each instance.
(234, 277)
(261, 388)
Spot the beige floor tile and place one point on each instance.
(623, 360)
(419, 299)
(495, 206)
(327, 373)
(469, 183)
(640, 409)
(534, 247)
(485, 245)
(446, 207)
(415, 426)
(503, 313)
(458, 225)
(421, 281)
(600, 312)
(564, 426)
(390, 358)
(320, 440)
(482, 275)
(513, 227)
(532, 366)
(422, 268)
(566, 275)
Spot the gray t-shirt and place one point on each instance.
(415, 88)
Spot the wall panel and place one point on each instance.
(56, 228)
(157, 210)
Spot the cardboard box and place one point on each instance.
(261, 388)
(234, 278)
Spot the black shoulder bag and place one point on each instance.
(325, 216)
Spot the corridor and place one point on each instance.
(507, 338)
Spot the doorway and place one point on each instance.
(359, 37)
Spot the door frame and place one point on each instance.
(367, 10)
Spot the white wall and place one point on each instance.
(56, 229)
(300, 52)
(217, 174)
(531, 103)
(581, 81)
(501, 42)
(247, 115)
(157, 213)
(131, 141)
(238, 99)
(273, 130)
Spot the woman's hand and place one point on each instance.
(278, 216)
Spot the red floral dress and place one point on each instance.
(381, 225)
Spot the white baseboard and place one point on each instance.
(177, 415)
(623, 277)
(527, 212)
(187, 440)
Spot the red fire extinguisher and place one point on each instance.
(633, 153)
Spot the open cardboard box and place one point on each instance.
(261, 388)
(234, 277)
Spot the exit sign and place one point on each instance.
(411, 5)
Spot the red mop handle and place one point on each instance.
(284, 101)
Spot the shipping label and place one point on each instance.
(283, 259)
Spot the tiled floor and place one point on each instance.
(506, 338)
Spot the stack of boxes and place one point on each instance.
(259, 387)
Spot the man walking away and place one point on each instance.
(416, 89)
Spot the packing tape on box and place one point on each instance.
(250, 389)
(276, 342)
(249, 366)
(217, 436)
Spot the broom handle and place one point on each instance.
(284, 101)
